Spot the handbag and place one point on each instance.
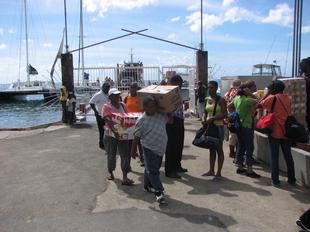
(293, 129)
(265, 122)
(207, 136)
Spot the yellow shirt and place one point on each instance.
(63, 93)
(209, 110)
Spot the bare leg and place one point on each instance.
(220, 160)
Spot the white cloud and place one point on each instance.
(305, 29)
(47, 45)
(172, 36)
(90, 5)
(11, 31)
(194, 7)
(1, 31)
(3, 46)
(102, 6)
(281, 15)
(236, 14)
(175, 19)
(209, 21)
(227, 2)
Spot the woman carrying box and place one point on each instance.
(112, 139)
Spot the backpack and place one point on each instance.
(233, 122)
(294, 130)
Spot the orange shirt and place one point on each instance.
(282, 109)
(133, 104)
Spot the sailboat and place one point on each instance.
(29, 90)
(83, 88)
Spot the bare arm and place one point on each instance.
(135, 142)
(93, 106)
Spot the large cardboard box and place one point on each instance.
(125, 124)
(125, 119)
(168, 96)
(296, 89)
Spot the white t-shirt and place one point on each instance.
(99, 99)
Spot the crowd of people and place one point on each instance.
(154, 136)
(157, 135)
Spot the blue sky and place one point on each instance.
(237, 33)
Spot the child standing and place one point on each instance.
(153, 140)
(71, 102)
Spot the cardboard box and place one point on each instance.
(125, 119)
(168, 96)
(296, 89)
(125, 133)
(125, 124)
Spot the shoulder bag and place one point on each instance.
(208, 135)
(265, 122)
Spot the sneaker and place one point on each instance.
(241, 171)
(160, 198)
(173, 175)
(275, 183)
(252, 175)
(101, 145)
(180, 169)
(292, 182)
(149, 189)
(302, 226)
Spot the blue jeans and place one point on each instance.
(245, 146)
(152, 163)
(286, 150)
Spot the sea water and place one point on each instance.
(27, 114)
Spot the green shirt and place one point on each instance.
(245, 107)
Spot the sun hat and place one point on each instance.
(114, 91)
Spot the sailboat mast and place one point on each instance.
(82, 39)
(26, 34)
(66, 28)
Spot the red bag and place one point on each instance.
(264, 124)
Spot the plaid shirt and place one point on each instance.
(152, 132)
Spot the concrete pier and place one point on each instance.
(54, 179)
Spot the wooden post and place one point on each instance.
(202, 66)
(67, 71)
(67, 81)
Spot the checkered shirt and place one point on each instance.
(152, 132)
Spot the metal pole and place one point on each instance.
(26, 34)
(294, 39)
(82, 39)
(108, 40)
(299, 35)
(164, 40)
(66, 31)
(201, 25)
